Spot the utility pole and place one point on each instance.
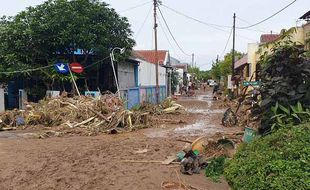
(156, 53)
(233, 49)
(193, 59)
(217, 62)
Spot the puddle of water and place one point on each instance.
(206, 111)
(156, 133)
(15, 135)
(199, 128)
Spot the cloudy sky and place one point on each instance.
(205, 41)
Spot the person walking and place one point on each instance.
(215, 90)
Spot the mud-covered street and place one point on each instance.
(98, 162)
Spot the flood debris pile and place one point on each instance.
(168, 106)
(105, 113)
(197, 154)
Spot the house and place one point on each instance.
(182, 73)
(147, 74)
(247, 67)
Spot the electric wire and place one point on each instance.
(215, 26)
(26, 71)
(172, 34)
(250, 26)
(46, 67)
(141, 27)
(167, 38)
(134, 7)
(227, 42)
(251, 29)
(192, 18)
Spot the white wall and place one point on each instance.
(147, 74)
(126, 75)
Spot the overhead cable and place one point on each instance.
(137, 6)
(46, 67)
(192, 18)
(251, 29)
(227, 43)
(172, 34)
(215, 26)
(250, 26)
(26, 71)
(141, 27)
(166, 36)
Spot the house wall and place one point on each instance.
(253, 57)
(126, 75)
(306, 28)
(147, 74)
(255, 50)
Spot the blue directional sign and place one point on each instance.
(62, 68)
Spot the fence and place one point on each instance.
(137, 95)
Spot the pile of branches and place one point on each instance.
(94, 115)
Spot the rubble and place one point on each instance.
(86, 115)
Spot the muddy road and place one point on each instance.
(98, 162)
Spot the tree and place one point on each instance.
(223, 67)
(201, 75)
(55, 29)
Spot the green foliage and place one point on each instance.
(223, 67)
(216, 168)
(280, 160)
(201, 75)
(55, 29)
(289, 116)
(285, 79)
(174, 81)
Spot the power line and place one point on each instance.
(166, 36)
(27, 70)
(251, 29)
(134, 7)
(93, 64)
(226, 43)
(147, 16)
(202, 22)
(250, 26)
(215, 26)
(172, 34)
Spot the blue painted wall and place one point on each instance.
(132, 96)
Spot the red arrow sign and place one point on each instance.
(76, 67)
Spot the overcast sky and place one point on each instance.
(193, 37)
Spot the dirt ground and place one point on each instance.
(79, 162)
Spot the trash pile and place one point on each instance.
(196, 155)
(105, 113)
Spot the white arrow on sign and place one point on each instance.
(61, 67)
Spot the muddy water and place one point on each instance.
(209, 122)
(17, 134)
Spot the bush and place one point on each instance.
(285, 79)
(215, 169)
(280, 160)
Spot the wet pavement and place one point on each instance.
(208, 124)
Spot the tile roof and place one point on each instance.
(265, 38)
(241, 62)
(149, 55)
